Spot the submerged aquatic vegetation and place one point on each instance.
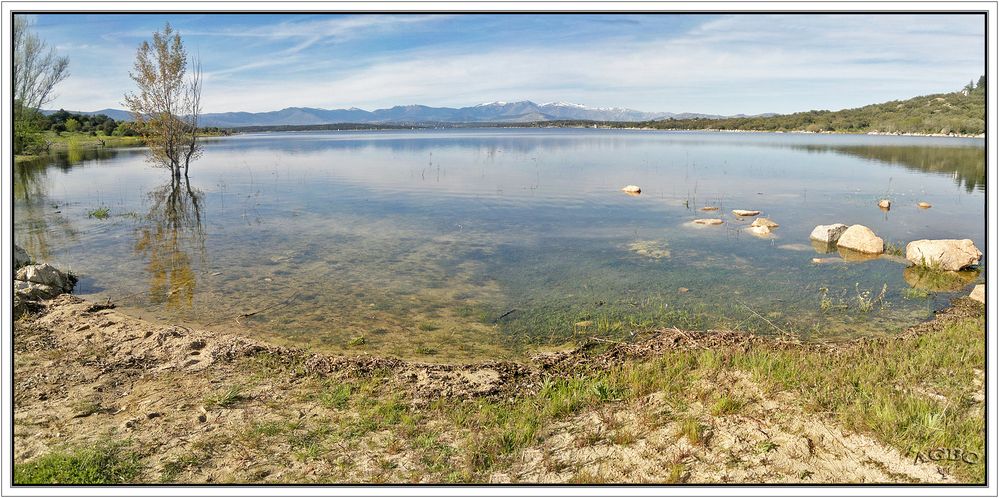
(100, 213)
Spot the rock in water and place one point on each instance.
(760, 231)
(828, 234)
(884, 204)
(47, 275)
(745, 212)
(709, 221)
(764, 222)
(943, 254)
(978, 293)
(709, 208)
(632, 189)
(861, 239)
(21, 257)
(925, 205)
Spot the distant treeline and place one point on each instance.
(96, 124)
(948, 113)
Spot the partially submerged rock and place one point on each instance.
(764, 222)
(632, 189)
(709, 208)
(828, 234)
(47, 275)
(943, 254)
(884, 204)
(709, 221)
(924, 205)
(759, 231)
(21, 257)
(745, 212)
(861, 239)
(978, 293)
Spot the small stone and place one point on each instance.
(978, 293)
(764, 222)
(924, 205)
(745, 212)
(202, 418)
(632, 189)
(152, 415)
(828, 234)
(709, 208)
(709, 221)
(884, 204)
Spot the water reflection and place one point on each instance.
(170, 236)
(965, 164)
(39, 219)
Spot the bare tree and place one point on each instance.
(167, 104)
(37, 70)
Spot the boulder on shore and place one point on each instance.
(828, 234)
(861, 239)
(32, 291)
(21, 257)
(978, 293)
(47, 275)
(943, 254)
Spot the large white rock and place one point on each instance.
(978, 293)
(828, 233)
(21, 257)
(764, 222)
(30, 291)
(48, 275)
(632, 189)
(861, 239)
(943, 254)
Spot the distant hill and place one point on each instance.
(115, 114)
(946, 113)
(492, 112)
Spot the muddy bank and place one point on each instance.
(209, 406)
(128, 343)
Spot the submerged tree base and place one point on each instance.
(182, 405)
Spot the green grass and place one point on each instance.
(869, 388)
(106, 462)
(226, 398)
(101, 213)
(357, 341)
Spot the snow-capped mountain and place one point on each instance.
(490, 112)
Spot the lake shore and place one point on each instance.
(147, 402)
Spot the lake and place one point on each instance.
(456, 245)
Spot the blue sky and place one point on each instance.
(723, 64)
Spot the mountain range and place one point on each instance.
(493, 112)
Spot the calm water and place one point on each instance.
(460, 244)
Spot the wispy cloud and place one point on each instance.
(718, 64)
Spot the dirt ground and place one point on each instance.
(84, 373)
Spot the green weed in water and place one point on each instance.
(101, 213)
